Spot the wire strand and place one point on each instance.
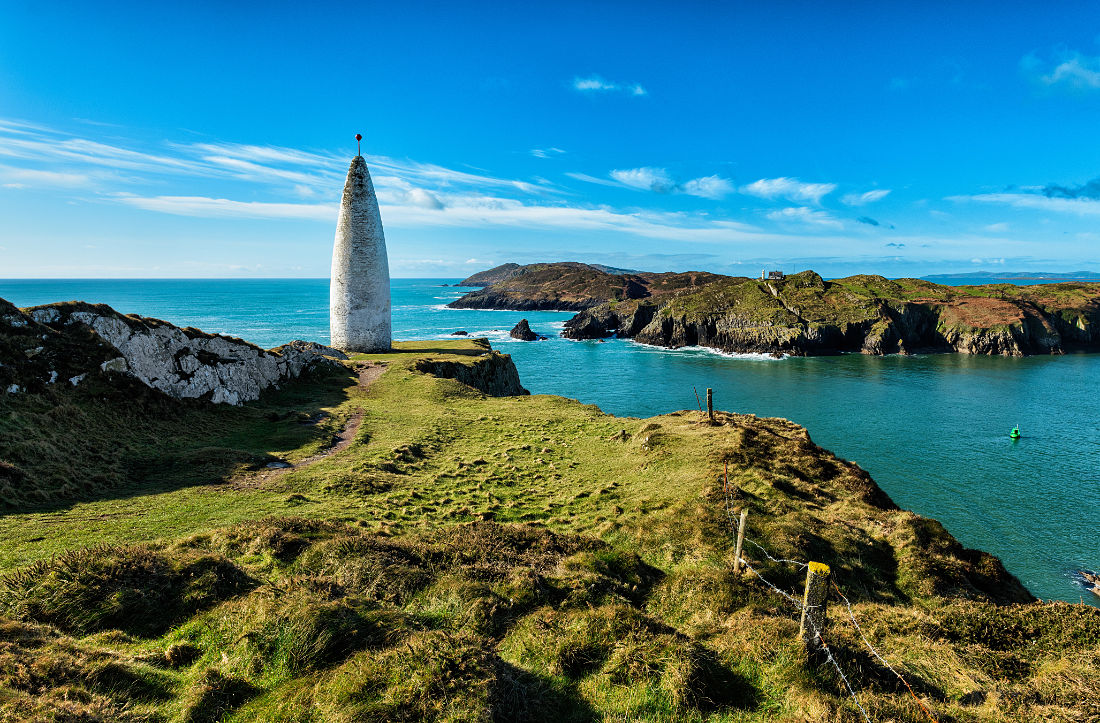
(881, 659)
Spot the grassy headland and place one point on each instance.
(475, 557)
(803, 313)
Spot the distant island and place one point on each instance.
(801, 314)
(995, 276)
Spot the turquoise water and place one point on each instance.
(932, 430)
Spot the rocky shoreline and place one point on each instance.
(805, 315)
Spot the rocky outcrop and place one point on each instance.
(600, 322)
(184, 363)
(522, 331)
(492, 373)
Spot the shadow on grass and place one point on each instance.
(125, 440)
(520, 696)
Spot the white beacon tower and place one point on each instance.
(359, 293)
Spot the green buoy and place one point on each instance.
(1015, 433)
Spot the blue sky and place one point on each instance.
(211, 139)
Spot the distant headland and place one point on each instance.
(799, 314)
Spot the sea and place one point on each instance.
(931, 429)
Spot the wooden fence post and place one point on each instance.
(710, 403)
(740, 542)
(813, 605)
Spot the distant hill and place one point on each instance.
(491, 276)
(570, 285)
(995, 276)
(507, 271)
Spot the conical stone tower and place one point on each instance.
(359, 293)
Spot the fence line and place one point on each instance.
(802, 608)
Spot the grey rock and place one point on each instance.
(522, 331)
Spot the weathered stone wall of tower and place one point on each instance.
(359, 292)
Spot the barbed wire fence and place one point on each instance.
(805, 609)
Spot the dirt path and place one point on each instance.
(367, 372)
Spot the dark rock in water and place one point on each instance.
(1091, 580)
(522, 331)
(460, 332)
(542, 338)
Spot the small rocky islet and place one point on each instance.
(799, 314)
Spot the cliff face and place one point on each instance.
(68, 341)
(806, 315)
(493, 374)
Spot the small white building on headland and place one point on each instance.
(359, 292)
(766, 275)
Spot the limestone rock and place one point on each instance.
(183, 363)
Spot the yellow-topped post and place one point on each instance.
(813, 604)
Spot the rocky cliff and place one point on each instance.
(66, 342)
(493, 373)
(806, 315)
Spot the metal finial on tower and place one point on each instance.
(358, 148)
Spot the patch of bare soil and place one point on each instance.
(367, 373)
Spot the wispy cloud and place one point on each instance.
(646, 179)
(1081, 206)
(596, 84)
(546, 152)
(204, 207)
(805, 215)
(1090, 190)
(791, 189)
(11, 177)
(593, 179)
(713, 187)
(862, 199)
(1070, 70)
(659, 180)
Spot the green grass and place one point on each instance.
(495, 558)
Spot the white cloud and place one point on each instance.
(714, 187)
(205, 207)
(1079, 206)
(28, 177)
(647, 179)
(862, 199)
(997, 227)
(593, 179)
(804, 214)
(424, 199)
(789, 188)
(659, 180)
(546, 152)
(1073, 70)
(596, 84)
